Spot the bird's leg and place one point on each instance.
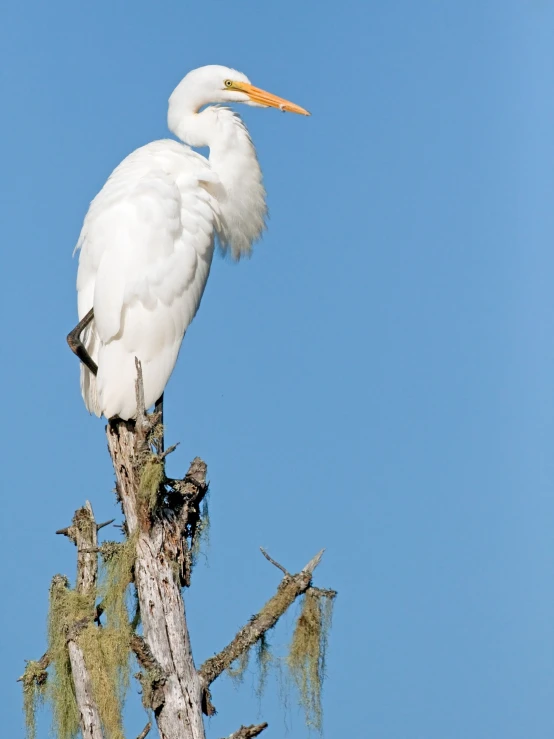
(77, 346)
(159, 408)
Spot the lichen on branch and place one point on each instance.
(91, 634)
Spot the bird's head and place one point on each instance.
(217, 84)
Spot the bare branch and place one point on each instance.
(290, 587)
(139, 389)
(273, 562)
(313, 563)
(106, 523)
(197, 472)
(185, 498)
(247, 732)
(193, 486)
(169, 450)
(145, 731)
(83, 533)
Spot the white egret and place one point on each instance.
(147, 241)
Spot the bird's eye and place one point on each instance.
(228, 83)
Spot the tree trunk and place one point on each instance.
(179, 708)
(161, 518)
(83, 532)
(91, 726)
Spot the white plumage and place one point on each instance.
(147, 241)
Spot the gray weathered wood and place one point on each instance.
(162, 525)
(179, 716)
(91, 725)
(83, 532)
(144, 733)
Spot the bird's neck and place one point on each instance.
(233, 159)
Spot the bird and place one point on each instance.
(148, 238)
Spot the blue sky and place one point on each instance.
(378, 378)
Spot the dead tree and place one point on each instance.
(91, 633)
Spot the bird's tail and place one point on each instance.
(91, 342)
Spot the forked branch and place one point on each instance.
(162, 520)
(290, 587)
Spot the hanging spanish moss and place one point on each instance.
(106, 654)
(306, 658)
(238, 668)
(264, 660)
(34, 690)
(106, 649)
(119, 560)
(67, 607)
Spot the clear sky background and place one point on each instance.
(377, 380)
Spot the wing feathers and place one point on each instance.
(146, 249)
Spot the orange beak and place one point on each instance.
(267, 99)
